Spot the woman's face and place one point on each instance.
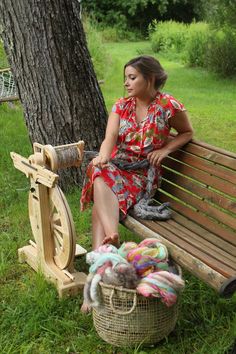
(135, 84)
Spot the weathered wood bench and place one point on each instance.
(199, 181)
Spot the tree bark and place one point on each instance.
(47, 51)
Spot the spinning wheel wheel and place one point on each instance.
(61, 226)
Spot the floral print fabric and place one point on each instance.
(135, 141)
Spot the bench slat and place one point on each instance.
(201, 190)
(206, 258)
(201, 176)
(182, 221)
(198, 218)
(204, 165)
(219, 156)
(198, 241)
(200, 205)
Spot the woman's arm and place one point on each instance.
(181, 123)
(108, 143)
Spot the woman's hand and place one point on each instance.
(100, 161)
(155, 157)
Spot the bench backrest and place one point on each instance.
(199, 181)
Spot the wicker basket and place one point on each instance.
(127, 318)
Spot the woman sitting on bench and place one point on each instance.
(138, 128)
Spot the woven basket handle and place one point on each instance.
(123, 312)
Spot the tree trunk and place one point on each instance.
(57, 85)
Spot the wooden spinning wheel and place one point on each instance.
(54, 249)
(62, 227)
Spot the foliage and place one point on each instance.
(167, 36)
(96, 47)
(118, 34)
(221, 52)
(197, 44)
(220, 13)
(139, 13)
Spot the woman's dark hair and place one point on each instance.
(149, 67)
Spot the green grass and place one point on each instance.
(33, 319)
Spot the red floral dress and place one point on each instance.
(135, 141)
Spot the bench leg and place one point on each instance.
(228, 288)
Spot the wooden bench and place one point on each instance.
(199, 181)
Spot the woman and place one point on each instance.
(138, 128)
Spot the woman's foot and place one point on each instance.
(113, 239)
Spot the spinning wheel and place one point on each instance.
(62, 227)
(54, 249)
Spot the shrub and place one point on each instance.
(96, 47)
(195, 48)
(166, 36)
(221, 52)
(116, 34)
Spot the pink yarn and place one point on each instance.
(126, 247)
(161, 284)
(107, 248)
(149, 242)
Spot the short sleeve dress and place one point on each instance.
(135, 141)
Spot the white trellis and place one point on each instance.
(8, 90)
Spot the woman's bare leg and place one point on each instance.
(106, 213)
(105, 220)
(97, 230)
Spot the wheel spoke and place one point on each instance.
(59, 238)
(57, 245)
(58, 228)
(55, 217)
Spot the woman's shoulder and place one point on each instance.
(166, 99)
(165, 96)
(125, 100)
(122, 103)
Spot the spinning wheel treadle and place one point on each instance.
(62, 227)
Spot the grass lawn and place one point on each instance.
(33, 319)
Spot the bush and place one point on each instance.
(116, 34)
(195, 48)
(166, 36)
(96, 47)
(198, 44)
(221, 52)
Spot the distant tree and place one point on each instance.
(48, 55)
(220, 13)
(139, 13)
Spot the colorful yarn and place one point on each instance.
(125, 248)
(162, 285)
(147, 260)
(159, 253)
(93, 256)
(145, 264)
(150, 242)
(113, 258)
(107, 248)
